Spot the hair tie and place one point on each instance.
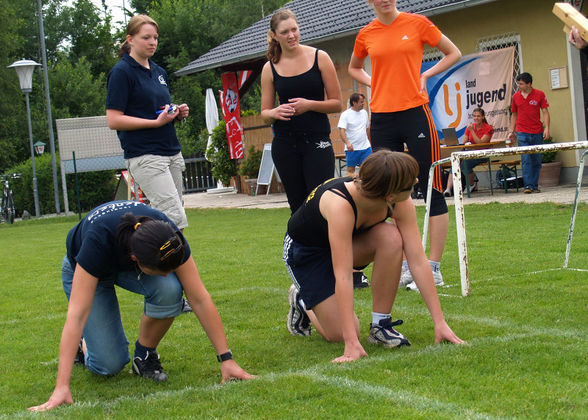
(137, 225)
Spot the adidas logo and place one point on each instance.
(421, 136)
(404, 37)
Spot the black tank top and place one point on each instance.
(308, 85)
(308, 227)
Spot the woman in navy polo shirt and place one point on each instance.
(137, 105)
(138, 248)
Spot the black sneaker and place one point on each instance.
(80, 359)
(298, 322)
(186, 306)
(360, 281)
(384, 335)
(149, 367)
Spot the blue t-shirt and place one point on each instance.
(92, 242)
(140, 92)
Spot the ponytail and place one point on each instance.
(154, 243)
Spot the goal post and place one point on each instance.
(455, 159)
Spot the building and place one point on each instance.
(473, 25)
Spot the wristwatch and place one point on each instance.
(224, 357)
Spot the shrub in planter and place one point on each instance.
(548, 156)
(223, 167)
(250, 166)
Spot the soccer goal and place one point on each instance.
(456, 158)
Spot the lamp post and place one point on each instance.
(39, 148)
(24, 70)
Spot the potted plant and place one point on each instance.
(249, 168)
(223, 167)
(550, 169)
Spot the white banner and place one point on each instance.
(481, 80)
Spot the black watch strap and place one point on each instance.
(224, 357)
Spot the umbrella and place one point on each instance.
(211, 117)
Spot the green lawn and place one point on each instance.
(526, 323)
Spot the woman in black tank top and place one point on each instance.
(301, 77)
(343, 225)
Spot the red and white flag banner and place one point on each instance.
(232, 115)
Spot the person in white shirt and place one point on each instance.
(354, 130)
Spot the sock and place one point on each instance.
(141, 351)
(377, 317)
(435, 265)
(405, 265)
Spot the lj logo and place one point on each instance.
(446, 98)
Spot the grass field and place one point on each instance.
(526, 323)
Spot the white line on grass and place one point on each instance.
(317, 373)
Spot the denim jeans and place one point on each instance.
(107, 346)
(531, 163)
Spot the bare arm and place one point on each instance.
(345, 139)
(117, 120)
(341, 219)
(451, 55)
(405, 217)
(78, 310)
(511, 129)
(546, 121)
(207, 314)
(357, 72)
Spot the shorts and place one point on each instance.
(160, 178)
(311, 270)
(356, 157)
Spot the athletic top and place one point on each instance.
(308, 85)
(140, 92)
(528, 111)
(307, 225)
(485, 129)
(396, 53)
(92, 243)
(355, 124)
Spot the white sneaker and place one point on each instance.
(437, 278)
(405, 277)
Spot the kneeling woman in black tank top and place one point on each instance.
(343, 225)
(301, 76)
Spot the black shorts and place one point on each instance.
(311, 270)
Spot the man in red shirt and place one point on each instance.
(527, 106)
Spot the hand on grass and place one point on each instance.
(60, 396)
(443, 332)
(231, 370)
(353, 351)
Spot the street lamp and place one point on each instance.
(39, 148)
(24, 70)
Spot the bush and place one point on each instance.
(95, 187)
(250, 166)
(223, 167)
(548, 156)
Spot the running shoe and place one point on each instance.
(360, 281)
(437, 277)
(298, 322)
(405, 277)
(385, 335)
(149, 367)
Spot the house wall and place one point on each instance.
(543, 46)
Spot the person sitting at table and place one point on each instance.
(477, 132)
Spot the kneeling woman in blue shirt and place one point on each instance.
(344, 225)
(138, 248)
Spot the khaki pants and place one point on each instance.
(160, 178)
